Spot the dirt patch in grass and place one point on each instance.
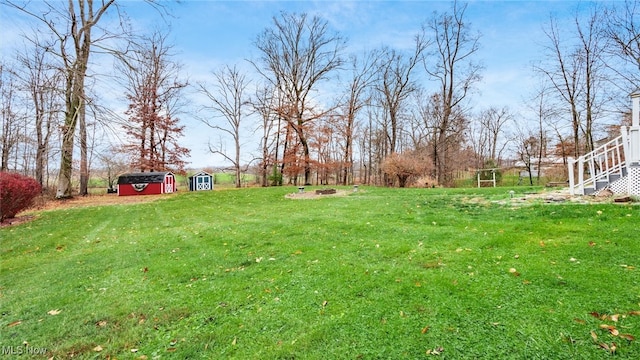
(17, 220)
(311, 194)
(46, 204)
(95, 200)
(544, 197)
(562, 196)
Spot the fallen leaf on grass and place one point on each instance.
(425, 329)
(594, 336)
(612, 329)
(97, 348)
(579, 321)
(628, 337)
(235, 341)
(436, 351)
(15, 323)
(101, 323)
(634, 313)
(598, 315)
(610, 348)
(54, 312)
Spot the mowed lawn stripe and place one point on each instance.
(378, 273)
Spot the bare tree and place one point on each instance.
(592, 45)
(623, 28)
(546, 117)
(494, 121)
(42, 82)
(297, 54)
(113, 164)
(229, 102)
(396, 84)
(527, 148)
(564, 76)
(362, 77)
(9, 135)
(72, 28)
(577, 72)
(264, 104)
(478, 139)
(450, 62)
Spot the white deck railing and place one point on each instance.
(598, 166)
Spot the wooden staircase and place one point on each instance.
(603, 168)
(614, 165)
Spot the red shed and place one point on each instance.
(146, 183)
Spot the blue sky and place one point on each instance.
(209, 34)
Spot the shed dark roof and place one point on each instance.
(143, 177)
(200, 173)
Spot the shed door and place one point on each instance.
(169, 183)
(203, 182)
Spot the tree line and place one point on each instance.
(322, 114)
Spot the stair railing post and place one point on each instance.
(624, 132)
(634, 131)
(618, 160)
(581, 174)
(572, 183)
(592, 171)
(633, 161)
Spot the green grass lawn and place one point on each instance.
(378, 274)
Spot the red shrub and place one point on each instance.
(16, 193)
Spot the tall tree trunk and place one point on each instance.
(84, 163)
(41, 147)
(66, 154)
(237, 165)
(307, 158)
